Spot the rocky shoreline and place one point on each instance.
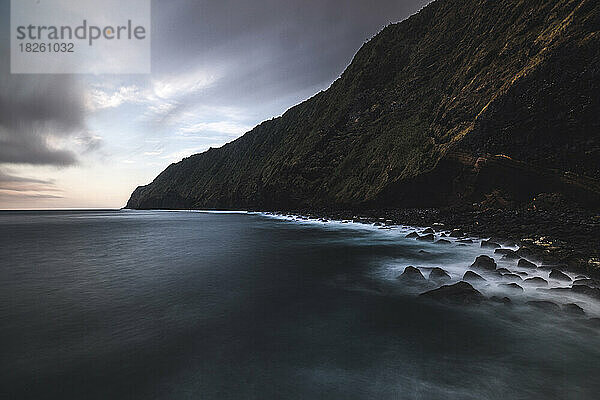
(549, 231)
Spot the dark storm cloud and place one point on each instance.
(263, 51)
(269, 48)
(37, 112)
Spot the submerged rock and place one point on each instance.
(471, 276)
(412, 274)
(427, 238)
(544, 305)
(586, 290)
(523, 263)
(573, 309)
(484, 262)
(443, 241)
(488, 244)
(512, 287)
(587, 282)
(536, 281)
(503, 300)
(439, 275)
(559, 275)
(413, 235)
(459, 293)
(593, 322)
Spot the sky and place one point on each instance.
(219, 68)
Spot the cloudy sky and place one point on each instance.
(219, 67)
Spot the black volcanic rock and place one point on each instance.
(484, 262)
(525, 252)
(459, 293)
(587, 282)
(427, 238)
(523, 263)
(586, 290)
(428, 231)
(503, 251)
(488, 244)
(512, 277)
(511, 255)
(559, 275)
(439, 275)
(412, 274)
(502, 300)
(413, 235)
(443, 241)
(544, 305)
(471, 276)
(465, 102)
(536, 281)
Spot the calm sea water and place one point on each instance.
(178, 305)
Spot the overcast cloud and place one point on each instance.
(219, 68)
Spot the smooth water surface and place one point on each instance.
(191, 305)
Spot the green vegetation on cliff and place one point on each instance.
(463, 99)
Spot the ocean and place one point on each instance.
(123, 304)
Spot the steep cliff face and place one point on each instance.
(463, 99)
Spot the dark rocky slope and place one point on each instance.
(466, 101)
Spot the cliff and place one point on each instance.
(466, 100)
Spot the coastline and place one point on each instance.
(562, 237)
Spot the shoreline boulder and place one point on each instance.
(544, 305)
(523, 263)
(439, 275)
(427, 238)
(471, 276)
(459, 293)
(484, 262)
(411, 274)
(536, 281)
(559, 275)
(488, 244)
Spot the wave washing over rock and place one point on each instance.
(449, 267)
